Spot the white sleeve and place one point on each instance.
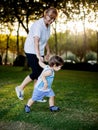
(36, 29)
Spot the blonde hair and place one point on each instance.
(54, 11)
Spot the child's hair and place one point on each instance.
(54, 11)
(56, 60)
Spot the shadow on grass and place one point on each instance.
(18, 126)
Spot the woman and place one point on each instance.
(35, 45)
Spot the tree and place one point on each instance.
(23, 11)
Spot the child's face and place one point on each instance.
(57, 68)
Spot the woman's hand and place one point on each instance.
(47, 57)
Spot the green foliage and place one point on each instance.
(11, 46)
(76, 95)
(25, 11)
(91, 56)
(74, 43)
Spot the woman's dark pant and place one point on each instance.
(33, 63)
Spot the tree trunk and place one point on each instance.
(7, 46)
(17, 40)
(56, 42)
(97, 46)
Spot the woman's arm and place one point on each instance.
(47, 52)
(36, 45)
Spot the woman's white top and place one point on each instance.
(40, 30)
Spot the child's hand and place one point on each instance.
(45, 86)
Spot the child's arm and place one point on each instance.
(43, 76)
(43, 65)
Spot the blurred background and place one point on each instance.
(74, 35)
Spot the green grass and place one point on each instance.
(76, 95)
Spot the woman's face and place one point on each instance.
(50, 17)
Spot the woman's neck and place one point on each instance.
(45, 22)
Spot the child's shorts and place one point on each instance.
(38, 95)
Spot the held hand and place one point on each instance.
(41, 58)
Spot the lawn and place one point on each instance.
(76, 95)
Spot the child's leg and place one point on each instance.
(51, 104)
(51, 101)
(29, 104)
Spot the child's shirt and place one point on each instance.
(40, 84)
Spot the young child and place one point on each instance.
(43, 86)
